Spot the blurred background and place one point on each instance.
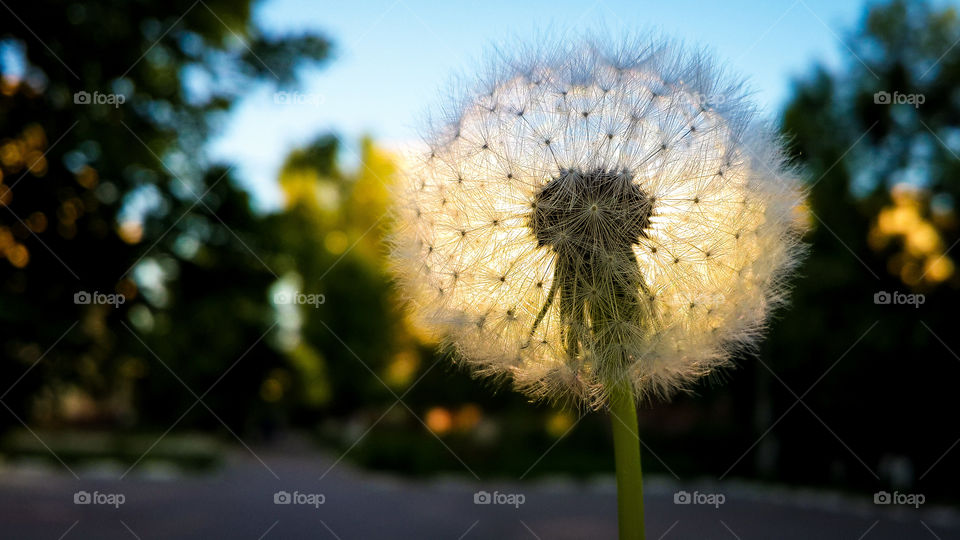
(195, 311)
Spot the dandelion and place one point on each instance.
(599, 225)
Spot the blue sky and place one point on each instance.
(392, 58)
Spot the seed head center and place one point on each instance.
(590, 212)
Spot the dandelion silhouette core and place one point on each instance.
(598, 215)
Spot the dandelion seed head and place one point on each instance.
(588, 216)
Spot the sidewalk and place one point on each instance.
(238, 502)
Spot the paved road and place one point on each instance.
(238, 502)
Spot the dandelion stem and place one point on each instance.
(626, 451)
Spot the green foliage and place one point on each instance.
(879, 394)
(117, 199)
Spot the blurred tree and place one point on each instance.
(879, 140)
(330, 242)
(104, 110)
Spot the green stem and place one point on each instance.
(620, 301)
(626, 451)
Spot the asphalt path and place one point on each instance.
(310, 495)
